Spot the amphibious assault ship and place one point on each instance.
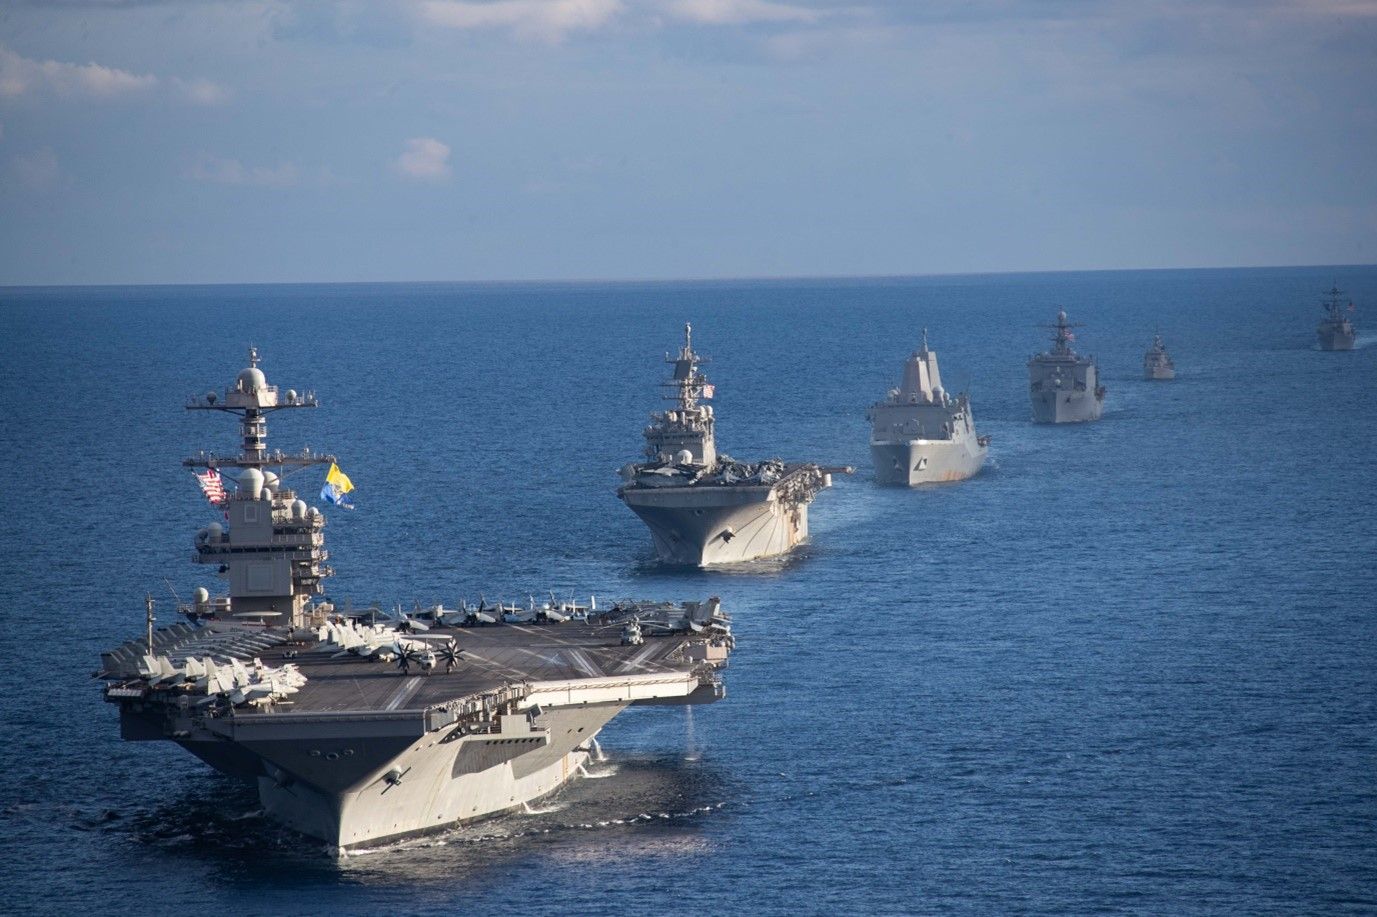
(1157, 364)
(1336, 330)
(920, 434)
(354, 730)
(706, 508)
(1064, 386)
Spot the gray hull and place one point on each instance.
(913, 462)
(1336, 339)
(1061, 406)
(702, 526)
(1159, 373)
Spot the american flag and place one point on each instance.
(212, 486)
(708, 391)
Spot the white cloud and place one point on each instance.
(544, 20)
(739, 12)
(220, 171)
(424, 159)
(38, 169)
(21, 75)
(202, 92)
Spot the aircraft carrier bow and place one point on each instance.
(356, 730)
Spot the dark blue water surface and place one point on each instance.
(1130, 667)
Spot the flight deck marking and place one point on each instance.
(404, 693)
(639, 659)
(584, 664)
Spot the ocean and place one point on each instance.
(1131, 667)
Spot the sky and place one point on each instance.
(248, 141)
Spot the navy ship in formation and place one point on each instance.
(355, 730)
(1336, 330)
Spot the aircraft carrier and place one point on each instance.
(919, 433)
(1157, 364)
(1336, 330)
(356, 730)
(1063, 385)
(705, 508)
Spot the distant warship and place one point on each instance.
(1157, 363)
(355, 730)
(920, 434)
(1336, 331)
(1064, 386)
(706, 508)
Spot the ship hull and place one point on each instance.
(1337, 340)
(1061, 406)
(911, 463)
(1159, 374)
(443, 784)
(703, 526)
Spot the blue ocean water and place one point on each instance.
(1131, 667)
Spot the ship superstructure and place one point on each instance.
(1064, 386)
(355, 730)
(920, 434)
(1157, 364)
(1336, 330)
(705, 508)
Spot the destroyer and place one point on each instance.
(920, 434)
(1336, 331)
(1157, 364)
(1064, 386)
(355, 731)
(706, 508)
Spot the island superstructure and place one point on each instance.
(1157, 364)
(1336, 330)
(1064, 386)
(356, 731)
(919, 433)
(705, 508)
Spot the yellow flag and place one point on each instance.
(339, 480)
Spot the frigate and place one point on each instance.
(703, 507)
(1157, 364)
(356, 730)
(920, 434)
(1063, 385)
(1336, 330)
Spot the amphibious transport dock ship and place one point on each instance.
(703, 508)
(1157, 364)
(1064, 386)
(920, 434)
(355, 731)
(1336, 330)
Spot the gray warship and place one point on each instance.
(356, 730)
(919, 433)
(705, 508)
(1157, 364)
(1063, 385)
(1336, 330)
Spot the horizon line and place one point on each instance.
(605, 281)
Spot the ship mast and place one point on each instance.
(686, 383)
(1062, 336)
(253, 399)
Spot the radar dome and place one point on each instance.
(299, 509)
(1061, 316)
(270, 479)
(215, 530)
(252, 379)
(202, 595)
(252, 483)
(291, 396)
(683, 457)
